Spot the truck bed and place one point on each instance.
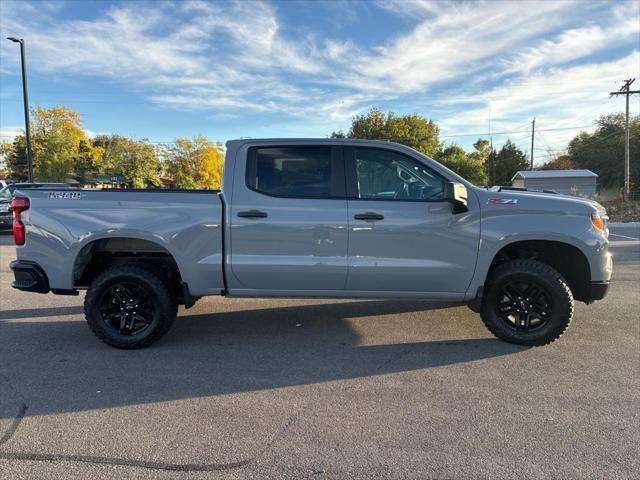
(63, 227)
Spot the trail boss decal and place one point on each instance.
(64, 195)
(502, 201)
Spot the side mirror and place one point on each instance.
(457, 194)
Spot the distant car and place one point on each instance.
(6, 194)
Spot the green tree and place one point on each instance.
(475, 168)
(452, 156)
(509, 160)
(413, 130)
(15, 158)
(602, 151)
(134, 160)
(59, 143)
(422, 135)
(195, 162)
(470, 166)
(88, 161)
(60, 147)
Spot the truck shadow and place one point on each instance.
(229, 352)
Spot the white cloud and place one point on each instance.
(580, 42)
(559, 99)
(7, 134)
(238, 58)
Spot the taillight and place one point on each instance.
(19, 205)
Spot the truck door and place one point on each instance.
(403, 236)
(288, 217)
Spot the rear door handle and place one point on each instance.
(253, 214)
(369, 216)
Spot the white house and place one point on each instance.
(568, 182)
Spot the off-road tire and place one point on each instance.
(554, 285)
(165, 312)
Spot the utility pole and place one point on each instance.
(533, 133)
(626, 91)
(25, 96)
(492, 158)
(493, 163)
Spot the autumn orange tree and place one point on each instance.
(557, 162)
(61, 149)
(195, 162)
(60, 145)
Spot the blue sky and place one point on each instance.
(159, 70)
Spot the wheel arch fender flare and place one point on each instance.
(490, 249)
(82, 251)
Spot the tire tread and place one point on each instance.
(537, 268)
(168, 306)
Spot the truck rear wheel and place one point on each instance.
(527, 303)
(129, 306)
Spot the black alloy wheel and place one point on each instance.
(523, 305)
(127, 307)
(130, 305)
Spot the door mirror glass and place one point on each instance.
(457, 194)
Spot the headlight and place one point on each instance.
(599, 221)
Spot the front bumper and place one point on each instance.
(29, 277)
(597, 291)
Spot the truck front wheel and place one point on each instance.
(527, 303)
(129, 306)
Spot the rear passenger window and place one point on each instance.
(303, 172)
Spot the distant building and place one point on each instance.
(568, 182)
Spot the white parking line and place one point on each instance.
(623, 236)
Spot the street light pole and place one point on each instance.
(25, 95)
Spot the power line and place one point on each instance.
(508, 132)
(481, 134)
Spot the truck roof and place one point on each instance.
(310, 140)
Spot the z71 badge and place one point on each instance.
(502, 201)
(65, 195)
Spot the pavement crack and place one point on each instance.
(276, 436)
(57, 457)
(173, 467)
(14, 425)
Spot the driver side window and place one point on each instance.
(387, 175)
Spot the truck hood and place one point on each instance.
(535, 200)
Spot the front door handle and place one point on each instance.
(369, 216)
(252, 214)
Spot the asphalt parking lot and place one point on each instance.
(321, 389)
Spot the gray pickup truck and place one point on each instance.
(315, 218)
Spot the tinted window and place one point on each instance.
(291, 171)
(382, 174)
